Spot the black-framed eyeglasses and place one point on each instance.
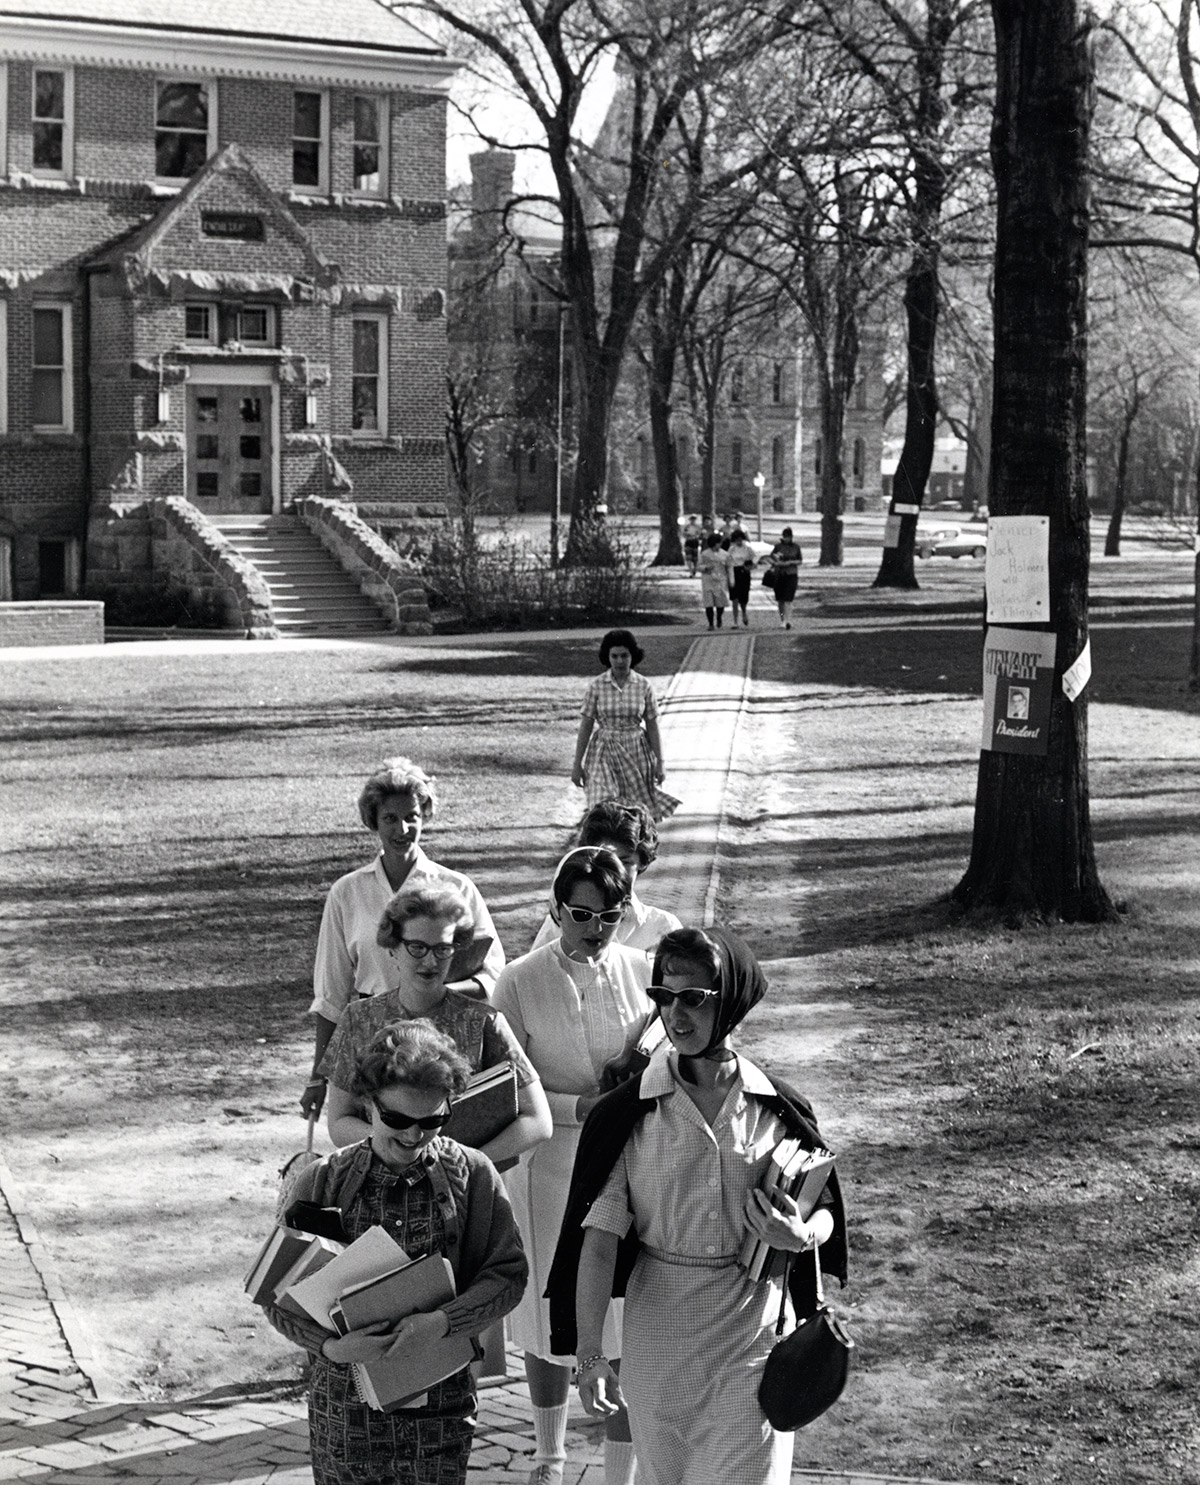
(692, 996)
(406, 1121)
(418, 949)
(585, 915)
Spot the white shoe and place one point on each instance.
(546, 1474)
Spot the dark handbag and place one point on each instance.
(807, 1370)
(768, 578)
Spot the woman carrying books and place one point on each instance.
(432, 1196)
(422, 927)
(665, 1189)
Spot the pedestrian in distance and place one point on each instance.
(741, 566)
(665, 1189)
(397, 802)
(785, 559)
(691, 544)
(714, 580)
(577, 1007)
(629, 832)
(618, 750)
(433, 1196)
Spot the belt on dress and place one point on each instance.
(690, 1260)
(620, 727)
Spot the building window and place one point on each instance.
(817, 452)
(531, 461)
(777, 384)
(370, 153)
(3, 365)
(184, 128)
(737, 383)
(309, 153)
(860, 394)
(256, 324)
(51, 388)
(777, 460)
(53, 122)
(859, 462)
(3, 118)
(735, 456)
(200, 323)
(369, 380)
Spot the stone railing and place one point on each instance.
(384, 577)
(191, 552)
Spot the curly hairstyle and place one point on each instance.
(397, 776)
(621, 639)
(411, 1054)
(690, 946)
(426, 899)
(593, 864)
(629, 825)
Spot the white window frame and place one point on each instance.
(736, 456)
(68, 123)
(3, 119)
(210, 86)
(67, 370)
(381, 379)
(210, 309)
(322, 186)
(385, 125)
(3, 365)
(270, 338)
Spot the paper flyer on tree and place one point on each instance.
(1018, 679)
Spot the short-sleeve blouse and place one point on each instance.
(619, 706)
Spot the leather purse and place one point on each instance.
(806, 1371)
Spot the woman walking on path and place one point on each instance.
(422, 927)
(785, 560)
(741, 564)
(714, 579)
(628, 831)
(433, 1196)
(691, 544)
(576, 1006)
(664, 1189)
(396, 804)
(618, 750)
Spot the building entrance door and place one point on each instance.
(229, 449)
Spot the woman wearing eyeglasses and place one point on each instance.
(575, 1005)
(420, 929)
(665, 1187)
(433, 1196)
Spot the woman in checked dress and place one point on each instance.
(664, 1189)
(618, 752)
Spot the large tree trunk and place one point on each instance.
(1032, 854)
(832, 495)
(666, 464)
(587, 542)
(1112, 537)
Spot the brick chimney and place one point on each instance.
(491, 186)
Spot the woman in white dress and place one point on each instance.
(575, 1006)
(629, 832)
(665, 1187)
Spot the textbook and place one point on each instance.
(367, 1257)
(487, 1105)
(797, 1172)
(285, 1258)
(402, 1381)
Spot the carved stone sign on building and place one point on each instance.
(242, 226)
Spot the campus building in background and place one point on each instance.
(222, 271)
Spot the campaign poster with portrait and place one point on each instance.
(1018, 682)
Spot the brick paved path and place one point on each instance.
(53, 1428)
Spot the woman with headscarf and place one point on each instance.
(665, 1186)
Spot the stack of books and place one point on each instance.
(487, 1105)
(372, 1280)
(798, 1173)
(284, 1259)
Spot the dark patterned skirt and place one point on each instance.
(352, 1444)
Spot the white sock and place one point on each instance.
(550, 1434)
(620, 1467)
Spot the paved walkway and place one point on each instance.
(58, 1424)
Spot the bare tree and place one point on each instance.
(1032, 852)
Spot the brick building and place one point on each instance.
(222, 271)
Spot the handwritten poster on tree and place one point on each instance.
(1018, 681)
(1018, 570)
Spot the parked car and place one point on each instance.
(930, 531)
(969, 541)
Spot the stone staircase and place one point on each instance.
(310, 593)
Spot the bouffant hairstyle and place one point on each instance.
(397, 776)
(593, 864)
(620, 639)
(441, 901)
(714, 540)
(629, 825)
(412, 1054)
(737, 534)
(691, 947)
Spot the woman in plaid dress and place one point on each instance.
(665, 1187)
(618, 752)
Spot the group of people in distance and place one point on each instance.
(725, 562)
(630, 1174)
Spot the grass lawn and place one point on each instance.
(1016, 1113)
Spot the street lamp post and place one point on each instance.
(760, 480)
(556, 513)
